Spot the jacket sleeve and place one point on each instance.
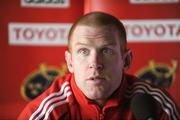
(164, 117)
(27, 112)
(52, 103)
(33, 105)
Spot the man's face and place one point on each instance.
(96, 60)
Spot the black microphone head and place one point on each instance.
(143, 107)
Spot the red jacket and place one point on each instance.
(64, 100)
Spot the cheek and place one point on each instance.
(80, 66)
(114, 66)
(113, 62)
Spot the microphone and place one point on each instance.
(143, 107)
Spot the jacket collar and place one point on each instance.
(114, 100)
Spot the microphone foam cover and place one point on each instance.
(143, 107)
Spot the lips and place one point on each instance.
(96, 79)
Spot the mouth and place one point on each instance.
(96, 80)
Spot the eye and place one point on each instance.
(107, 51)
(84, 51)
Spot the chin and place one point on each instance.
(95, 96)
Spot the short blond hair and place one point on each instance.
(100, 19)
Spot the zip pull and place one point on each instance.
(101, 116)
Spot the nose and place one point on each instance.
(96, 62)
(96, 66)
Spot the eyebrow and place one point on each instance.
(84, 44)
(106, 44)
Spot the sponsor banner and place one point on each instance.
(46, 3)
(153, 1)
(153, 30)
(56, 34)
(48, 34)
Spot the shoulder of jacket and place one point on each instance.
(162, 97)
(56, 96)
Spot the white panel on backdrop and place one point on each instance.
(45, 3)
(153, 1)
(164, 30)
(38, 34)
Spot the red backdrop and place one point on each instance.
(33, 41)
(19, 60)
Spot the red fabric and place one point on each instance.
(113, 109)
(77, 105)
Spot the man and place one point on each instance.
(97, 86)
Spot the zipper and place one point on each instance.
(101, 116)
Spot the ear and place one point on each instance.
(127, 59)
(68, 58)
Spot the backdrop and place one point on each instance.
(32, 44)
(33, 38)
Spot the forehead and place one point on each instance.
(93, 35)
